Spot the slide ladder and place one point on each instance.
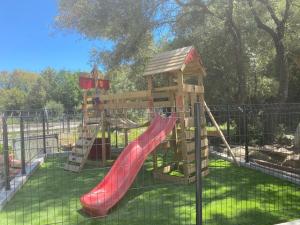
(83, 145)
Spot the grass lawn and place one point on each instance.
(231, 195)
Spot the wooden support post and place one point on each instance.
(84, 109)
(150, 98)
(109, 136)
(126, 136)
(103, 141)
(151, 112)
(220, 132)
(180, 105)
(116, 137)
(174, 137)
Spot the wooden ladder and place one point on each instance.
(83, 145)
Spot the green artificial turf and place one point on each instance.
(231, 195)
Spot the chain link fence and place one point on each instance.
(262, 189)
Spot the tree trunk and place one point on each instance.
(235, 32)
(282, 71)
(240, 71)
(277, 36)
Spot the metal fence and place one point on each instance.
(262, 189)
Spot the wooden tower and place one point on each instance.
(181, 74)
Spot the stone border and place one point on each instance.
(267, 170)
(19, 181)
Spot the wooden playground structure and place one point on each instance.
(181, 75)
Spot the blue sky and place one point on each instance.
(28, 40)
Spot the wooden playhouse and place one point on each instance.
(174, 83)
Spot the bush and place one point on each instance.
(281, 136)
(256, 132)
(55, 107)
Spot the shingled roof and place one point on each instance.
(173, 60)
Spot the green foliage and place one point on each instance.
(281, 136)
(25, 90)
(263, 88)
(12, 99)
(36, 98)
(256, 132)
(68, 89)
(54, 106)
(10, 149)
(50, 186)
(140, 28)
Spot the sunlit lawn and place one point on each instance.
(231, 195)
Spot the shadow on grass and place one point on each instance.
(232, 195)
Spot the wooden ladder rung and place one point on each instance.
(80, 150)
(76, 158)
(92, 120)
(82, 142)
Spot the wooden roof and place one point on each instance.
(174, 60)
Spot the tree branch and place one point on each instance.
(286, 12)
(258, 21)
(204, 8)
(271, 11)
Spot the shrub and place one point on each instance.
(55, 107)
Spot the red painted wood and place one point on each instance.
(96, 150)
(88, 83)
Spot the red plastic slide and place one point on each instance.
(122, 174)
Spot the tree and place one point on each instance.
(12, 99)
(4, 80)
(36, 98)
(236, 51)
(49, 82)
(277, 34)
(55, 107)
(67, 90)
(132, 24)
(23, 80)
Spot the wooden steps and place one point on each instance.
(83, 145)
(71, 167)
(76, 158)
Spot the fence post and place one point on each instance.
(228, 122)
(197, 121)
(246, 134)
(5, 153)
(22, 144)
(68, 123)
(44, 133)
(46, 119)
(63, 123)
(116, 129)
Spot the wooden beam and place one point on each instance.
(220, 133)
(125, 105)
(193, 88)
(163, 70)
(191, 167)
(103, 140)
(122, 96)
(161, 89)
(190, 145)
(126, 136)
(162, 104)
